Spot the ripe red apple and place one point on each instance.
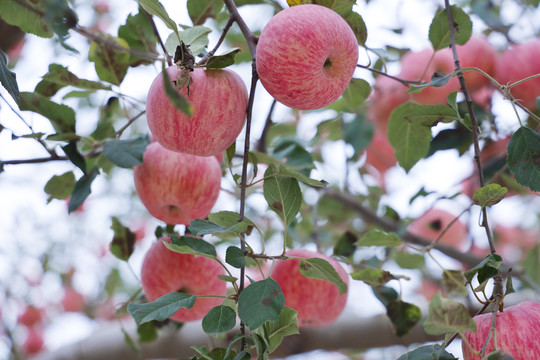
(387, 94)
(30, 316)
(219, 100)
(306, 56)
(431, 224)
(318, 302)
(175, 187)
(73, 301)
(519, 62)
(518, 330)
(165, 271)
(379, 153)
(34, 341)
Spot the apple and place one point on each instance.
(165, 271)
(306, 56)
(519, 62)
(30, 316)
(387, 94)
(73, 301)
(518, 330)
(318, 302)
(176, 187)
(219, 101)
(431, 224)
(477, 52)
(34, 341)
(379, 153)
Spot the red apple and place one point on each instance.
(306, 56)
(175, 187)
(379, 153)
(519, 62)
(518, 330)
(73, 301)
(219, 100)
(318, 302)
(34, 341)
(387, 94)
(431, 224)
(165, 271)
(31, 315)
(479, 53)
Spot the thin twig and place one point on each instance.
(156, 32)
(250, 38)
(205, 58)
(382, 73)
(131, 121)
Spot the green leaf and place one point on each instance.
(345, 9)
(123, 242)
(108, 114)
(407, 260)
(162, 308)
(260, 302)
(227, 278)
(235, 257)
(373, 277)
(446, 316)
(428, 352)
(62, 117)
(126, 153)
(409, 130)
(385, 294)
(139, 35)
(154, 7)
(228, 220)
(531, 264)
(196, 37)
(499, 355)
(404, 316)
(346, 245)
(489, 195)
(358, 133)
(147, 332)
(354, 96)
(191, 245)
(439, 31)
(379, 238)
(285, 325)
(454, 282)
(317, 268)
(218, 320)
(60, 186)
(59, 76)
(75, 156)
(177, 99)
(223, 60)
(358, 26)
(283, 195)
(199, 227)
(82, 189)
(438, 79)
(279, 168)
(524, 157)
(111, 63)
(200, 10)
(486, 269)
(292, 151)
(21, 14)
(8, 79)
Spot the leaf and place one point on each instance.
(60, 186)
(199, 227)
(20, 14)
(346, 245)
(147, 332)
(222, 60)
(531, 264)
(293, 153)
(283, 195)
(260, 302)
(235, 257)
(358, 133)
(317, 268)
(139, 35)
(177, 99)
(499, 355)
(373, 277)
(358, 26)
(154, 7)
(111, 64)
(409, 130)
(438, 79)
(74, 155)
(385, 294)
(200, 10)
(404, 316)
(191, 245)
(297, 2)
(126, 153)
(82, 190)
(489, 195)
(446, 316)
(454, 282)
(407, 260)
(285, 325)
(439, 31)
(8, 79)
(428, 352)
(162, 308)
(379, 238)
(218, 320)
(62, 117)
(196, 37)
(354, 96)
(228, 220)
(524, 157)
(59, 76)
(123, 242)
(486, 269)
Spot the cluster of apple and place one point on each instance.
(179, 179)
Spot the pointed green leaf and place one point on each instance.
(222, 60)
(200, 10)
(111, 64)
(446, 316)
(499, 355)
(123, 242)
(407, 260)
(439, 31)
(218, 320)
(260, 302)
(285, 325)
(454, 282)
(62, 117)
(196, 37)
(191, 245)
(147, 332)
(139, 35)
(358, 26)
(154, 7)
(82, 189)
(346, 245)
(162, 308)
(428, 352)
(531, 264)
(379, 238)
(358, 133)
(75, 156)
(373, 277)
(59, 76)
(282, 194)
(317, 268)
(8, 79)
(235, 257)
(404, 316)
(489, 195)
(126, 153)
(21, 14)
(486, 269)
(60, 186)
(524, 157)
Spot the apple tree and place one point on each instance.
(271, 177)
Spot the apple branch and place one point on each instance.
(156, 32)
(205, 58)
(474, 123)
(250, 38)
